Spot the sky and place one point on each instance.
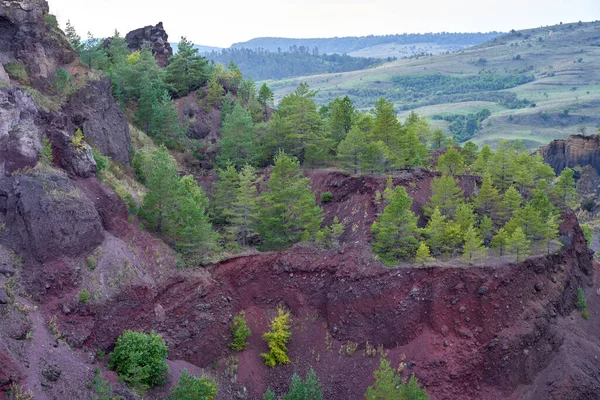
(223, 22)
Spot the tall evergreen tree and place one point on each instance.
(396, 231)
(237, 142)
(341, 117)
(388, 386)
(165, 126)
(451, 163)
(518, 244)
(445, 195)
(487, 199)
(386, 126)
(289, 212)
(473, 246)
(350, 151)
(187, 70)
(265, 97)
(245, 208)
(226, 191)
(511, 202)
(565, 188)
(309, 389)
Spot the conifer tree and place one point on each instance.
(277, 339)
(529, 220)
(214, 94)
(473, 246)
(396, 231)
(511, 202)
(165, 126)
(265, 97)
(438, 139)
(309, 389)
(237, 134)
(469, 152)
(244, 209)
(486, 229)
(446, 195)
(451, 163)
(481, 164)
(72, 36)
(436, 233)
(289, 212)
(464, 216)
(565, 188)
(351, 149)
(341, 117)
(518, 244)
(413, 152)
(269, 395)
(540, 200)
(187, 70)
(386, 383)
(487, 200)
(500, 241)
(550, 231)
(423, 254)
(502, 166)
(386, 126)
(226, 192)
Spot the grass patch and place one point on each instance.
(582, 304)
(16, 71)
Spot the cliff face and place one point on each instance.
(153, 37)
(575, 151)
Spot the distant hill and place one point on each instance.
(201, 48)
(538, 84)
(353, 45)
(261, 64)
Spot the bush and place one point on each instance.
(277, 339)
(84, 296)
(309, 389)
(102, 162)
(17, 72)
(51, 21)
(326, 197)
(240, 332)
(139, 359)
(192, 388)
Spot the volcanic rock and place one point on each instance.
(153, 37)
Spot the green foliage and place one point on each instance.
(101, 387)
(176, 207)
(388, 386)
(473, 247)
(487, 200)
(289, 212)
(451, 163)
(396, 232)
(51, 21)
(326, 197)
(341, 118)
(72, 36)
(518, 244)
(423, 254)
(102, 162)
(63, 83)
(462, 126)
(269, 395)
(307, 389)
(445, 195)
(277, 339)
(164, 125)
(265, 97)
(84, 296)
(46, 156)
(351, 150)
(16, 71)
(237, 138)
(92, 53)
(243, 214)
(214, 94)
(588, 233)
(565, 188)
(240, 332)
(139, 359)
(187, 71)
(329, 236)
(192, 388)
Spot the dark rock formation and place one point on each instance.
(153, 37)
(26, 38)
(94, 110)
(47, 217)
(575, 151)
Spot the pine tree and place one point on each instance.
(226, 192)
(146, 104)
(436, 233)
(277, 339)
(351, 149)
(500, 240)
(72, 36)
(529, 220)
(550, 231)
(269, 395)
(309, 389)
(445, 195)
(438, 139)
(565, 188)
(473, 246)
(502, 165)
(510, 204)
(244, 210)
(237, 135)
(487, 200)
(265, 97)
(187, 70)
(486, 229)
(451, 162)
(413, 152)
(423, 254)
(289, 211)
(464, 216)
(469, 152)
(481, 164)
(540, 200)
(518, 244)
(396, 231)
(165, 126)
(341, 117)
(386, 383)
(386, 125)
(214, 94)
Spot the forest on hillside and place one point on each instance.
(342, 45)
(261, 64)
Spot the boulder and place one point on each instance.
(153, 37)
(575, 151)
(47, 217)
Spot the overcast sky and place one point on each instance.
(223, 22)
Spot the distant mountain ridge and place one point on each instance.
(349, 44)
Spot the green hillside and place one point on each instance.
(538, 84)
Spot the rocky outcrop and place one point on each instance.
(575, 151)
(25, 37)
(20, 131)
(153, 37)
(95, 111)
(47, 217)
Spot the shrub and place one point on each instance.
(17, 72)
(51, 21)
(240, 332)
(269, 395)
(309, 389)
(46, 157)
(326, 197)
(101, 387)
(192, 388)
(84, 296)
(139, 359)
(102, 162)
(277, 339)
